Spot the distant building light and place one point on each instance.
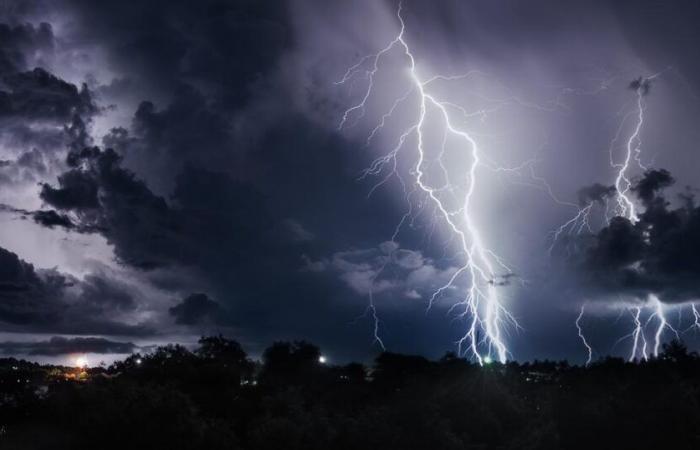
(322, 359)
(139, 361)
(81, 361)
(487, 359)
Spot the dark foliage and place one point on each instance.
(215, 397)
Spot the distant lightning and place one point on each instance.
(639, 341)
(663, 324)
(696, 317)
(582, 336)
(637, 336)
(625, 207)
(632, 154)
(481, 306)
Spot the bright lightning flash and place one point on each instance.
(625, 207)
(483, 271)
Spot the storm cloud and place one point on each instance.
(49, 301)
(64, 346)
(653, 256)
(196, 308)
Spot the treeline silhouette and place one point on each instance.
(216, 397)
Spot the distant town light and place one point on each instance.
(322, 359)
(487, 359)
(138, 361)
(81, 361)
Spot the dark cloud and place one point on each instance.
(15, 274)
(191, 130)
(653, 181)
(40, 113)
(290, 230)
(641, 84)
(196, 309)
(39, 95)
(78, 191)
(47, 218)
(656, 255)
(27, 297)
(63, 346)
(106, 295)
(223, 47)
(49, 301)
(103, 196)
(52, 219)
(19, 41)
(213, 219)
(595, 193)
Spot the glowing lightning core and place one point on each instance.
(481, 305)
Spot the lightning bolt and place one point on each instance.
(663, 324)
(696, 317)
(626, 208)
(632, 154)
(637, 335)
(582, 336)
(482, 270)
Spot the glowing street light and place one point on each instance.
(322, 359)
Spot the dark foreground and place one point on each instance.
(216, 398)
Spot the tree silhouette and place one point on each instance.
(215, 397)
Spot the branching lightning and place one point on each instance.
(662, 324)
(632, 154)
(449, 197)
(482, 270)
(637, 336)
(640, 347)
(625, 207)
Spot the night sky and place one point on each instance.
(171, 169)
